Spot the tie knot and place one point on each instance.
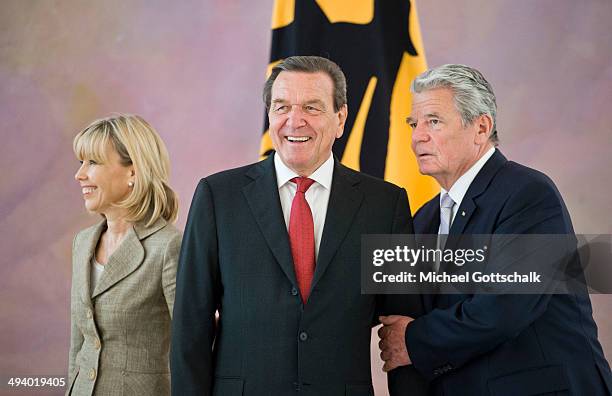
(303, 183)
(446, 201)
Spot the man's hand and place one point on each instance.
(393, 341)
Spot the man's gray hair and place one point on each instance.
(472, 93)
(310, 64)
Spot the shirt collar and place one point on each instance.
(459, 189)
(323, 175)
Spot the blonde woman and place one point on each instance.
(124, 267)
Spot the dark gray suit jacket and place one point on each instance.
(236, 259)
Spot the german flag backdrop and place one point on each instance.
(378, 45)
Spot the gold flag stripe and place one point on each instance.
(282, 13)
(401, 166)
(352, 150)
(266, 145)
(350, 11)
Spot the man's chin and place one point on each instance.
(425, 170)
(299, 167)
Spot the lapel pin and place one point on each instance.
(463, 213)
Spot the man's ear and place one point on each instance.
(342, 114)
(484, 124)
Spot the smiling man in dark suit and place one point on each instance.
(488, 344)
(274, 247)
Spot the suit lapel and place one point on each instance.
(128, 256)
(83, 261)
(468, 205)
(427, 220)
(264, 202)
(344, 201)
(477, 187)
(464, 213)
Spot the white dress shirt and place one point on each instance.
(97, 270)
(317, 195)
(460, 187)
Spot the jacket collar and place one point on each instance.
(344, 201)
(264, 201)
(477, 187)
(128, 256)
(261, 194)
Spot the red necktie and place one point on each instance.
(301, 237)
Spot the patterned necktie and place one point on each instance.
(446, 217)
(301, 237)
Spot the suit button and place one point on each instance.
(303, 336)
(294, 291)
(89, 314)
(92, 374)
(97, 343)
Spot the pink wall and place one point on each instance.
(195, 69)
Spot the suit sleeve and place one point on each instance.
(446, 339)
(402, 223)
(198, 289)
(76, 337)
(410, 304)
(170, 264)
(404, 377)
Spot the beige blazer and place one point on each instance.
(121, 332)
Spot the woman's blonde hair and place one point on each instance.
(139, 145)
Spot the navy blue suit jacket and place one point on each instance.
(507, 344)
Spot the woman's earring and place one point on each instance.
(131, 184)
